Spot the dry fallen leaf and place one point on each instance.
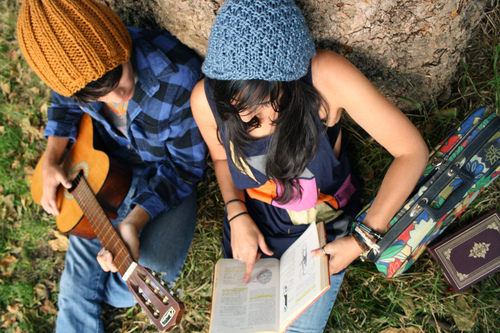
(15, 165)
(8, 260)
(29, 170)
(5, 265)
(5, 87)
(464, 314)
(48, 307)
(13, 308)
(6, 206)
(8, 320)
(408, 306)
(41, 291)
(61, 242)
(13, 55)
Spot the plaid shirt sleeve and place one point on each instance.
(165, 134)
(63, 118)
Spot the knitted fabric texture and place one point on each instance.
(70, 43)
(255, 39)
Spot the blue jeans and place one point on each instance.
(164, 244)
(314, 319)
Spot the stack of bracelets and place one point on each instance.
(237, 215)
(360, 235)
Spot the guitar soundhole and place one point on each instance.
(75, 172)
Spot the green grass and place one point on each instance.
(418, 301)
(29, 268)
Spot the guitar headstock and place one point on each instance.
(155, 298)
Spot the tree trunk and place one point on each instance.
(409, 49)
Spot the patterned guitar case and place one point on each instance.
(462, 165)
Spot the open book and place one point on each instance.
(278, 292)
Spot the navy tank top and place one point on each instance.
(330, 192)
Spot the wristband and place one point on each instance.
(234, 200)
(360, 242)
(372, 232)
(235, 216)
(365, 240)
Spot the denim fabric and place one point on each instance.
(164, 244)
(314, 319)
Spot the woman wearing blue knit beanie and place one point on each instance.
(269, 110)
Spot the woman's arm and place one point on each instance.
(246, 238)
(344, 87)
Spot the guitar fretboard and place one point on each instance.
(100, 223)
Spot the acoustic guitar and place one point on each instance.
(100, 185)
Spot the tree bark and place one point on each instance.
(409, 49)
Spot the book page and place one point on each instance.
(300, 276)
(253, 307)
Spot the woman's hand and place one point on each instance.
(52, 176)
(246, 240)
(342, 252)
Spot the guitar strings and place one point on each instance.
(95, 213)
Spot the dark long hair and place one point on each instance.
(295, 139)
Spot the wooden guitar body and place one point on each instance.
(109, 179)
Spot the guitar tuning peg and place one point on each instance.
(162, 282)
(157, 290)
(140, 290)
(156, 313)
(148, 302)
(148, 280)
(153, 273)
(165, 300)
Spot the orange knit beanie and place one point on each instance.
(70, 43)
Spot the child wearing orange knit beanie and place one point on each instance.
(135, 85)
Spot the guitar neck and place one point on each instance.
(100, 223)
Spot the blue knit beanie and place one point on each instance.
(258, 39)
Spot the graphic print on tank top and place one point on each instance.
(310, 205)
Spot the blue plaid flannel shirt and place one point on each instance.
(160, 126)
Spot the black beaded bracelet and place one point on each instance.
(234, 200)
(235, 216)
